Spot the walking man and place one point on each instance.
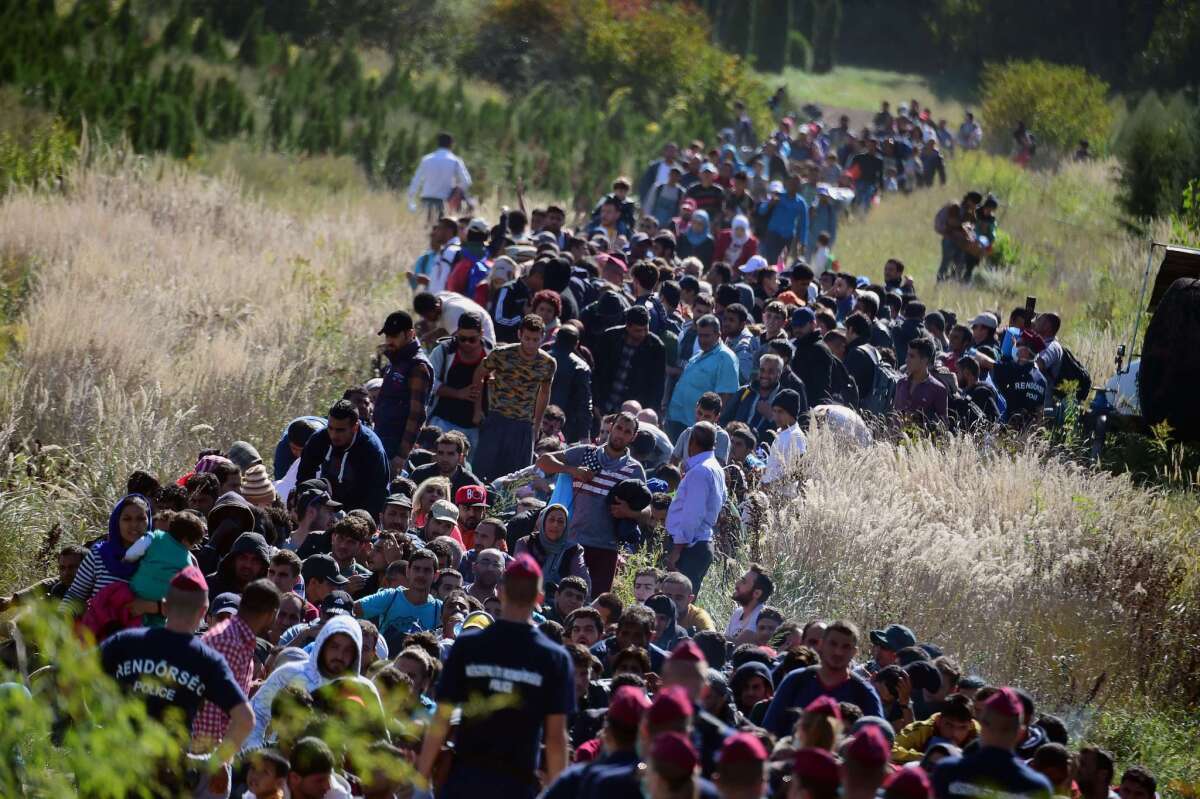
(440, 175)
(518, 378)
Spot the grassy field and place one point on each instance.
(173, 306)
(859, 90)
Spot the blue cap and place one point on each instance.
(657, 486)
(802, 317)
(862, 281)
(224, 603)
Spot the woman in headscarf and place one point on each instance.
(550, 548)
(104, 563)
(736, 245)
(697, 240)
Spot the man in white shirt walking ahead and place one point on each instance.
(438, 176)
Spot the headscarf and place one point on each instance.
(112, 549)
(697, 238)
(554, 549)
(740, 228)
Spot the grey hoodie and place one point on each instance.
(307, 675)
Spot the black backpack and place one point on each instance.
(883, 390)
(1071, 369)
(842, 388)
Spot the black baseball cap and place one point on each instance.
(338, 603)
(396, 322)
(322, 567)
(310, 498)
(403, 500)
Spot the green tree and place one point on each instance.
(827, 24)
(1059, 104)
(1159, 148)
(772, 23)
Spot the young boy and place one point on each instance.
(162, 554)
(645, 583)
(267, 775)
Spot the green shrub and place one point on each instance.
(799, 51)
(1060, 104)
(1159, 149)
(40, 154)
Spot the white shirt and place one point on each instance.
(737, 623)
(287, 484)
(443, 265)
(455, 305)
(439, 173)
(789, 445)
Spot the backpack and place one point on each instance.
(842, 388)
(1072, 369)
(883, 389)
(480, 267)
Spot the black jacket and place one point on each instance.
(572, 391)
(813, 364)
(905, 332)
(861, 367)
(647, 371)
(224, 578)
(362, 482)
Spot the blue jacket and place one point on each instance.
(789, 217)
(360, 481)
(804, 685)
(991, 771)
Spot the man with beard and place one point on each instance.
(399, 611)
(397, 512)
(752, 403)
(472, 502)
(750, 593)
(407, 377)
(453, 362)
(448, 461)
(336, 655)
(595, 470)
(832, 678)
(248, 560)
(351, 459)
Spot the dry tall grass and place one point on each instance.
(172, 311)
(1030, 569)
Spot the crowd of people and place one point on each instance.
(448, 551)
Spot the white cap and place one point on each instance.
(754, 263)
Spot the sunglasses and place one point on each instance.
(467, 339)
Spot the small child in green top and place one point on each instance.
(164, 553)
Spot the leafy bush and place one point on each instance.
(1060, 104)
(1159, 148)
(40, 154)
(657, 53)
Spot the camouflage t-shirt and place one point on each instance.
(516, 380)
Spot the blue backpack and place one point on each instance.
(480, 268)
